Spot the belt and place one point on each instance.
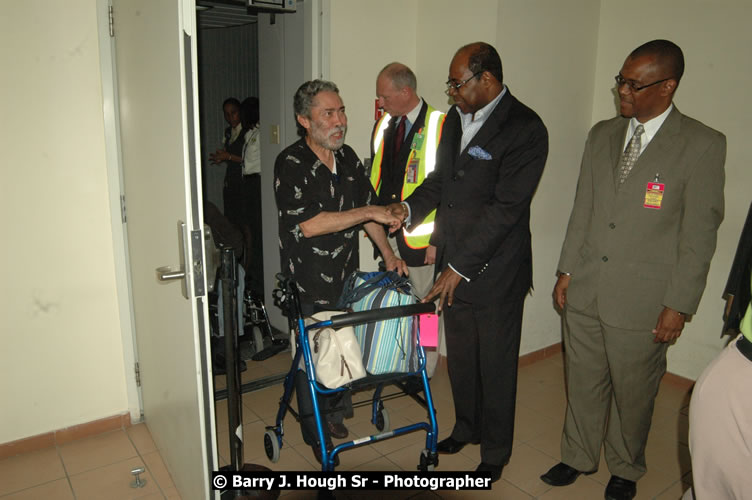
(745, 347)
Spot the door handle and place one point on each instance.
(166, 273)
(191, 274)
(169, 273)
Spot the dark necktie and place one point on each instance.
(399, 136)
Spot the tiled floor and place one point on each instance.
(99, 467)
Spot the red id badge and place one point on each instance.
(411, 176)
(654, 195)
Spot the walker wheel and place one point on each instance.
(382, 421)
(428, 461)
(271, 446)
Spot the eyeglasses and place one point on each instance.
(456, 86)
(620, 80)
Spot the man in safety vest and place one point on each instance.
(403, 152)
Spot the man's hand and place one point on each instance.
(670, 325)
(444, 288)
(560, 290)
(394, 263)
(398, 210)
(430, 255)
(219, 156)
(727, 310)
(383, 215)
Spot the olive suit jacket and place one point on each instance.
(635, 260)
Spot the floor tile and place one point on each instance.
(96, 451)
(670, 424)
(672, 396)
(253, 442)
(582, 488)
(501, 489)
(293, 435)
(525, 468)
(667, 461)
(408, 459)
(99, 467)
(158, 470)
(548, 443)
(54, 490)
(172, 494)
(141, 438)
(530, 424)
(472, 452)
(30, 469)
(546, 371)
(673, 492)
(264, 403)
(547, 399)
(113, 482)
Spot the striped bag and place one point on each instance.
(388, 346)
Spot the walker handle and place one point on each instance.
(357, 318)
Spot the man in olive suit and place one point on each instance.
(633, 264)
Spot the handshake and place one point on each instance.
(392, 215)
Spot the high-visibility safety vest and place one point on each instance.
(426, 159)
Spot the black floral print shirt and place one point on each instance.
(305, 187)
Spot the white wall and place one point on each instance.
(531, 37)
(62, 354)
(717, 44)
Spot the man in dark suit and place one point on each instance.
(633, 264)
(489, 161)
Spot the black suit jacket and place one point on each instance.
(483, 195)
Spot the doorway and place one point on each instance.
(267, 56)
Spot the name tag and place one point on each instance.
(411, 177)
(418, 139)
(654, 195)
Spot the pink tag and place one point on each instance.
(429, 330)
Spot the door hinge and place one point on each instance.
(122, 209)
(112, 22)
(138, 375)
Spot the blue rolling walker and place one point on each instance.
(288, 299)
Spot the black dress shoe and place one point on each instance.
(495, 470)
(450, 446)
(561, 475)
(619, 488)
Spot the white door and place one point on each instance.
(155, 57)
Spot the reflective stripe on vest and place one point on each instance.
(378, 147)
(417, 238)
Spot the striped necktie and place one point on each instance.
(629, 158)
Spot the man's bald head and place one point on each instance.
(396, 89)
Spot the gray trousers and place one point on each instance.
(613, 376)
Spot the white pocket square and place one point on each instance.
(479, 153)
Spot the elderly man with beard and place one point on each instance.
(324, 197)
